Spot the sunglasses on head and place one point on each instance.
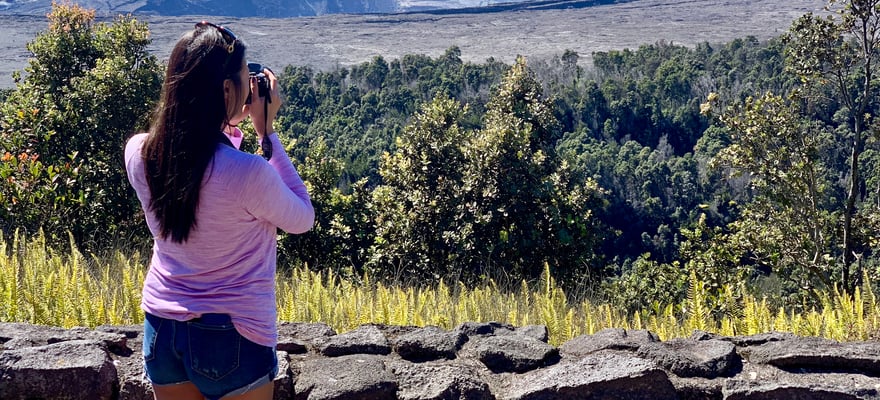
(227, 34)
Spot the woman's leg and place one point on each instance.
(188, 391)
(264, 392)
(183, 391)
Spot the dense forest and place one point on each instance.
(750, 165)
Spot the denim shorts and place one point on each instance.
(208, 352)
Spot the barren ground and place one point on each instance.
(341, 40)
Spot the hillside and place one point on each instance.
(327, 42)
(251, 8)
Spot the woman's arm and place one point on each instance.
(276, 193)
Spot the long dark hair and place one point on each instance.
(186, 128)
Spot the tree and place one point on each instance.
(839, 54)
(792, 147)
(374, 72)
(88, 87)
(343, 228)
(496, 202)
(789, 225)
(529, 206)
(421, 227)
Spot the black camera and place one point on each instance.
(256, 70)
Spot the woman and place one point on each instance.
(209, 295)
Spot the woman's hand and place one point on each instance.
(263, 117)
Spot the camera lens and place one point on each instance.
(255, 70)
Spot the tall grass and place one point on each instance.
(42, 286)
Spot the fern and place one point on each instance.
(637, 320)
(698, 314)
(872, 324)
(751, 319)
(813, 324)
(780, 323)
(38, 285)
(727, 327)
(732, 308)
(570, 328)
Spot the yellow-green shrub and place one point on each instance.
(43, 286)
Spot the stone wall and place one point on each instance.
(478, 361)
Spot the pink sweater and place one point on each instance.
(228, 263)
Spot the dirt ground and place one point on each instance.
(332, 41)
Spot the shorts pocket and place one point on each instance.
(152, 325)
(213, 349)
